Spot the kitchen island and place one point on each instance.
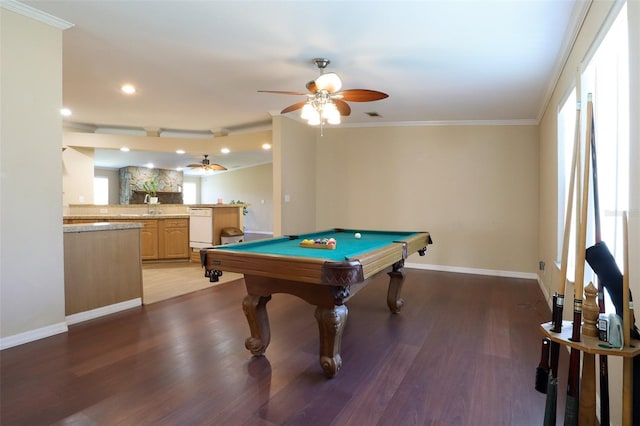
(102, 269)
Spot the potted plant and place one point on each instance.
(151, 188)
(244, 207)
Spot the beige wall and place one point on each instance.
(77, 176)
(295, 161)
(253, 185)
(31, 271)
(474, 188)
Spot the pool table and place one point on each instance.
(326, 278)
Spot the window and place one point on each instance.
(189, 193)
(566, 143)
(606, 76)
(100, 190)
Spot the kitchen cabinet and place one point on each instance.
(173, 238)
(160, 238)
(149, 239)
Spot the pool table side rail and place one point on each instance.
(378, 260)
(315, 270)
(267, 265)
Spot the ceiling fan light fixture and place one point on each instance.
(330, 113)
(307, 111)
(314, 119)
(329, 82)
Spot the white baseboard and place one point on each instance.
(102, 311)
(475, 271)
(51, 330)
(249, 231)
(32, 335)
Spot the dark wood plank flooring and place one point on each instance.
(463, 351)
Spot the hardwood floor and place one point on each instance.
(463, 351)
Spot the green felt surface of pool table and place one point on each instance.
(347, 245)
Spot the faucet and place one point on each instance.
(153, 211)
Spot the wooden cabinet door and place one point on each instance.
(149, 240)
(174, 239)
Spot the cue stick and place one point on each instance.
(627, 363)
(604, 364)
(558, 306)
(573, 383)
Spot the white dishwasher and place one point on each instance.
(200, 227)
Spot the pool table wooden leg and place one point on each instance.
(255, 309)
(331, 323)
(394, 301)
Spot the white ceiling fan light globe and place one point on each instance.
(307, 111)
(314, 119)
(330, 111)
(334, 118)
(329, 82)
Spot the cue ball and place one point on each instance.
(357, 235)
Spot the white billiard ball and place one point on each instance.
(357, 235)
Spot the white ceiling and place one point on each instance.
(198, 65)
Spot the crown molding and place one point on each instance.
(38, 15)
(441, 123)
(578, 16)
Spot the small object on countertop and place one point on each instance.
(357, 235)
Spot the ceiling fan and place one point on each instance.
(326, 102)
(206, 165)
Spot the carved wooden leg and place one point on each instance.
(255, 310)
(331, 323)
(394, 302)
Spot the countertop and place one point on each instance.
(128, 216)
(103, 226)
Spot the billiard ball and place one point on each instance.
(357, 235)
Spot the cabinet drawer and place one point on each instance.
(148, 223)
(176, 223)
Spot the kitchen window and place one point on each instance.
(101, 190)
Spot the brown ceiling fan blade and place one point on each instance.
(216, 167)
(343, 107)
(362, 95)
(281, 92)
(311, 86)
(194, 166)
(293, 107)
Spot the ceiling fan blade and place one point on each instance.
(281, 92)
(311, 86)
(293, 107)
(362, 95)
(195, 166)
(215, 166)
(343, 107)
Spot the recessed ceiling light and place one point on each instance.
(124, 149)
(225, 150)
(179, 151)
(129, 89)
(65, 112)
(266, 146)
(178, 169)
(149, 166)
